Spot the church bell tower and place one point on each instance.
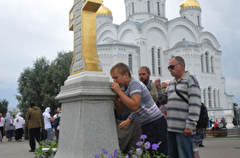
(143, 10)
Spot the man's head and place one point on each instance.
(121, 74)
(32, 104)
(176, 67)
(144, 74)
(58, 109)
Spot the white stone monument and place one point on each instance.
(87, 120)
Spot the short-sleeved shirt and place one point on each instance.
(19, 124)
(148, 110)
(47, 121)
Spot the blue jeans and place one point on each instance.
(179, 145)
(50, 134)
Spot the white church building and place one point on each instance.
(148, 38)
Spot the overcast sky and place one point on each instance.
(32, 29)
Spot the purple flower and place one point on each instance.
(147, 145)
(127, 156)
(115, 153)
(130, 151)
(138, 151)
(97, 155)
(104, 151)
(155, 146)
(140, 143)
(110, 156)
(46, 150)
(143, 137)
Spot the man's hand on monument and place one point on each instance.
(124, 124)
(157, 83)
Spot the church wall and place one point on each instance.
(207, 36)
(179, 32)
(128, 28)
(106, 31)
(111, 54)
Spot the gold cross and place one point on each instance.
(89, 59)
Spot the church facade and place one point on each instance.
(148, 38)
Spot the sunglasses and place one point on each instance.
(172, 66)
(142, 74)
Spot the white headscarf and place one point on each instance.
(47, 110)
(18, 115)
(8, 115)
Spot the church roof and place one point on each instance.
(115, 42)
(104, 10)
(184, 43)
(189, 3)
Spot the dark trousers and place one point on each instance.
(1, 128)
(18, 134)
(56, 133)
(34, 133)
(156, 132)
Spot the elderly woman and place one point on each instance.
(9, 126)
(2, 122)
(18, 124)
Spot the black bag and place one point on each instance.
(203, 116)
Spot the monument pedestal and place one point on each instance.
(87, 119)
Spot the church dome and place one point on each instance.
(189, 3)
(104, 10)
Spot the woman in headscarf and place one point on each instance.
(9, 126)
(47, 122)
(2, 122)
(18, 124)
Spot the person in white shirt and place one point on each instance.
(18, 124)
(47, 121)
(2, 122)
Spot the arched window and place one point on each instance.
(148, 5)
(132, 7)
(207, 64)
(212, 64)
(202, 68)
(130, 62)
(158, 8)
(219, 99)
(153, 62)
(129, 8)
(159, 61)
(214, 98)
(209, 97)
(204, 97)
(198, 18)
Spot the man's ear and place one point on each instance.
(126, 74)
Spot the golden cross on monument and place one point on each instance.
(84, 25)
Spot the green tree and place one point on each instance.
(235, 109)
(4, 106)
(42, 83)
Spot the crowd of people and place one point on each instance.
(142, 107)
(8, 125)
(164, 117)
(41, 126)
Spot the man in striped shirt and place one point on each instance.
(182, 116)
